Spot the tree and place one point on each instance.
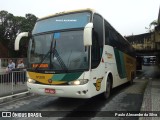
(3, 16)
(28, 23)
(153, 23)
(152, 26)
(10, 27)
(27, 26)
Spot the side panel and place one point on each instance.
(97, 79)
(130, 66)
(126, 66)
(98, 76)
(121, 65)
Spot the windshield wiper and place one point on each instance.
(56, 54)
(50, 51)
(42, 60)
(60, 61)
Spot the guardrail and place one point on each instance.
(12, 82)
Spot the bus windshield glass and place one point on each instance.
(58, 51)
(62, 22)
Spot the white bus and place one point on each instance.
(77, 54)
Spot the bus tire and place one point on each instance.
(107, 93)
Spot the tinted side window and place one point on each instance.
(113, 38)
(97, 41)
(98, 28)
(106, 25)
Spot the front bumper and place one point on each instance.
(71, 91)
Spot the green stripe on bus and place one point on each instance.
(66, 77)
(120, 63)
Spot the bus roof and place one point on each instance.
(67, 12)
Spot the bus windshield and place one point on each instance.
(54, 49)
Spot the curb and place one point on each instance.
(11, 97)
(146, 103)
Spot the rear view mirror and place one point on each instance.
(18, 38)
(87, 35)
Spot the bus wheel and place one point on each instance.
(106, 94)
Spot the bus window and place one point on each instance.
(97, 41)
(106, 33)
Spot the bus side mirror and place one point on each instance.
(18, 38)
(87, 35)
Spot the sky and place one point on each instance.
(128, 17)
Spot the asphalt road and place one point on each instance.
(124, 98)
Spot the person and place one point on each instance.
(21, 74)
(11, 66)
(20, 64)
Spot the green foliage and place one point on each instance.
(154, 23)
(10, 26)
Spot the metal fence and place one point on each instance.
(12, 82)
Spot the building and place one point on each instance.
(157, 33)
(147, 41)
(142, 42)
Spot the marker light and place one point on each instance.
(31, 80)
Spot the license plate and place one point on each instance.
(51, 91)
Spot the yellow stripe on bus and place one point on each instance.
(43, 78)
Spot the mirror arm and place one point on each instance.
(18, 38)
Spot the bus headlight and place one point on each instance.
(31, 80)
(78, 82)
